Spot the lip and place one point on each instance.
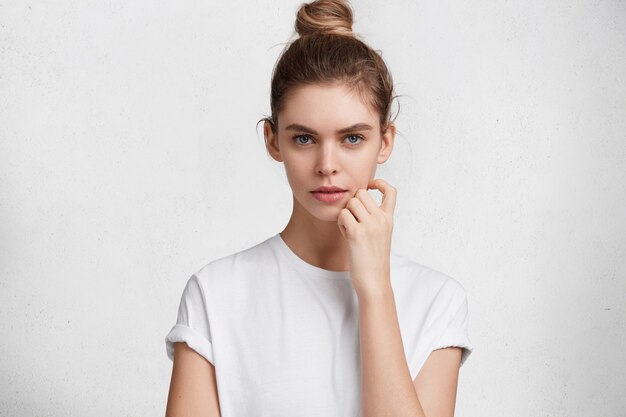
(329, 194)
(329, 197)
(327, 189)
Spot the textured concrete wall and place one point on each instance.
(129, 159)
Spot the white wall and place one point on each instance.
(129, 158)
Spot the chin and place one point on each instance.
(329, 218)
(326, 214)
(318, 210)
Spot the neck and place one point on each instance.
(317, 242)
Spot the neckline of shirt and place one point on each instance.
(300, 264)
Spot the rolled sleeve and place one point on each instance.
(456, 333)
(192, 324)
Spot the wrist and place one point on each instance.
(375, 294)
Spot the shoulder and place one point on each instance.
(429, 284)
(237, 264)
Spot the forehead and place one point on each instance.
(326, 107)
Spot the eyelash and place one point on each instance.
(295, 139)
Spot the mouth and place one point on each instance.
(329, 190)
(329, 196)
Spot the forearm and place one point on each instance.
(387, 388)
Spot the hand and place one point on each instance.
(368, 229)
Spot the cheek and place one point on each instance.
(296, 174)
(359, 168)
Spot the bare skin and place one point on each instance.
(326, 158)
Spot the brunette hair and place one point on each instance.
(328, 52)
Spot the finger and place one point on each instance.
(370, 204)
(357, 209)
(342, 229)
(389, 194)
(346, 220)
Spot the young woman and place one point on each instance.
(323, 318)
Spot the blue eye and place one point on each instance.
(355, 136)
(295, 139)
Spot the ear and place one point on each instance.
(271, 142)
(386, 145)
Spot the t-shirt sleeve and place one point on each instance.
(456, 333)
(192, 324)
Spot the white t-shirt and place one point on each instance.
(283, 334)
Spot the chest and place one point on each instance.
(291, 352)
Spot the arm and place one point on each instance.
(193, 388)
(387, 389)
(436, 382)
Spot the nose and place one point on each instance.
(328, 160)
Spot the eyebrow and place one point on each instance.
(354, 127)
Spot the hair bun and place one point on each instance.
(324, 17)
